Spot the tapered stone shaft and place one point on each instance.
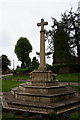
(42, 65)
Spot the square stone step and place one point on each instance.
(57, 107)
(68, 109)
(45, 83)
(41, 83)
(42, 89)
(13, 90)
(46, 98)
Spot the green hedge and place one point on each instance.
(56, 68)
(23, 71)
(72, 67)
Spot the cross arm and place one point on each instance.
(45, 23)
(38, 24)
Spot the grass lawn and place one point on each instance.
(72, 77)
(17, 77)
(75, 116)
(14, 116)
(0, 84)
(8, 84)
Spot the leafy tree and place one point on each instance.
(18, 67)
(58, 43)
(64, 38)
(71, 23)
(61, 46)
(35, 63)
(5, 63)
(22, 50)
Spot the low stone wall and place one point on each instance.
(14, 79)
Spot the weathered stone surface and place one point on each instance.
(46, 98)
(42, 65)
(38, 75)
(58, 107)
(42, 89)
(43, 83)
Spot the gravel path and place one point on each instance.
(71, 83)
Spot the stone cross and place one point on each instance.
(42, 65)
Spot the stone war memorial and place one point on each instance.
(43, 94)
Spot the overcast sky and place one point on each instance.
(19, 18)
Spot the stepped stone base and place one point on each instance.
(58, 107)
(44, 98)
(42, 94)
(41, 83)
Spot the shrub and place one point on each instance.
(24, 71)
(56, 68)
(53, 115)
(75, 116)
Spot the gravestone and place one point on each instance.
(42, 94)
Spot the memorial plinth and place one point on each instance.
(40, 76)
(43, 78)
